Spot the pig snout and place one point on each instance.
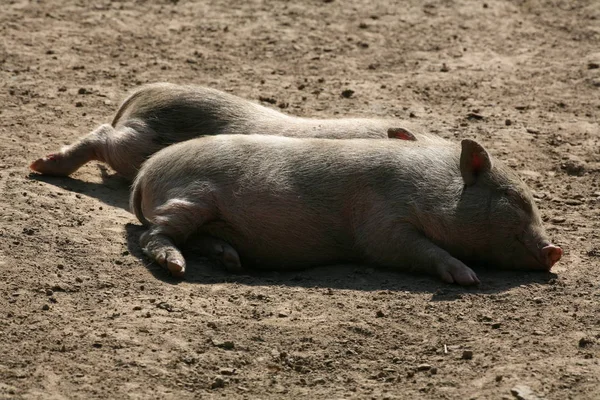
(550, 255)
(537, 253)
(543, 256)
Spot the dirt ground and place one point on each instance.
(84, 315)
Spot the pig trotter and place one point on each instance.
(452, 270)
(220, 252)
(162, 250)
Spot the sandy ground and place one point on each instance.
(84, 315)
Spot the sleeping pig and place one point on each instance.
(429, 206)
(161, 114)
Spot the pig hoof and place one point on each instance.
(455, 271)
(45, 165)
(174, 262)
(176, 267)
(231, 260)
(223, 253)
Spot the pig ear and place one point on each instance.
(474, 161)
(401, 133)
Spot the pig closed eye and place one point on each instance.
(519, 200)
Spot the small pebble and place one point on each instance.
(45, 307)
(217, 383)
(227, 345)
(474, 116)
(227, 371)
(523, 392)
(574, 167)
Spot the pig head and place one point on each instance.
(489, 216)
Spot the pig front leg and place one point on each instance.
(452, 270)
(433, 259)
(413, 249)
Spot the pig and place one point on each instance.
(286, 203)
(160, 114)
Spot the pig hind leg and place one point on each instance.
(130, 145)
(219, 252)
(124, 149)
(162, 249)
(173, 222)
(70, 158)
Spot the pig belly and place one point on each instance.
(283, 244)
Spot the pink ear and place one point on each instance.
(401, 133)
(476, 162)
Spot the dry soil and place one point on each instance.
(84, 315)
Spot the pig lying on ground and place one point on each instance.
(161, 114)
(290, 203)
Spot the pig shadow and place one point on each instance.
(113, 190)
(343, 276)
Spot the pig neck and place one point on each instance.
(433, 200)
